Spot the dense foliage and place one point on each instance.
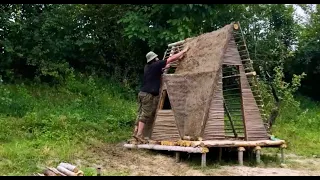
(50, 42)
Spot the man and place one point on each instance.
(149, 93)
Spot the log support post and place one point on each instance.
(240, 155)
(257, 150)
(220, 154)
(282, 147)
(203, 160)
(177, 157)
(98, 171)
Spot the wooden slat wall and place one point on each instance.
(165, 127)
(232, 56)
(214, 128)
(254, 127)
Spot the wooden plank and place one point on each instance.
(251, 113)
(214, 126)
(165, 126)
(231, 56)
(168, 148)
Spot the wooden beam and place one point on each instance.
(176, 43)
(253, 73)
(230, 119)
(177, 157)
(169, 148)
(203, 160)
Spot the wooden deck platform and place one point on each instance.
(203, 147)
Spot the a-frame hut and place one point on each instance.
(211, 99)
(212, 94)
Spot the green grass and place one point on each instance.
(300, 128)
(43, 126)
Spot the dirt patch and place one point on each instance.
(197, 72)
(114, 158)
(255, 171)
(135, 162)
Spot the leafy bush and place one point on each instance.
(15, 101)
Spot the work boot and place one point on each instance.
(140, 139)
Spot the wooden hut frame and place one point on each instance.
(237, 96)
(235, 115)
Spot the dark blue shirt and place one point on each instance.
(152, 77)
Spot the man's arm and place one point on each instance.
(177, 56)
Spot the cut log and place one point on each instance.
(70, 167)
(58, 173)
(48, 172)
(203, 160)
(80, 173)
(168, 148)
(176, 43)
(66, 171)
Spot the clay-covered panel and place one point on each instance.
(177, 91)
(206, 51)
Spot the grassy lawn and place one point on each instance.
(42, 126)
(301, 128)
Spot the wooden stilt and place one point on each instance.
(258, 153)
(177, 157)
(250, 151)
(99, 171)
(168, 148)
(282, 147)
(220, 154)
(203, 160)
(240, 155)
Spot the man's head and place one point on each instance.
(151, 56)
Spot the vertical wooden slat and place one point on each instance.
(254, 127)
(214, 127)
(232, 56)
(242, 107)
(165, 127)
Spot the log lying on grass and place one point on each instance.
(66, 171)
(70, 167)
(37, 174)
(63, 169)
(48, 172)
(58, 173)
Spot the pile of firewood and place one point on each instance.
(63, 169)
